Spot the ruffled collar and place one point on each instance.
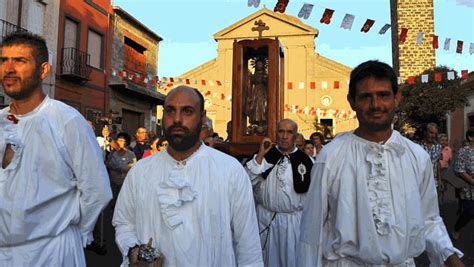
(176, 189)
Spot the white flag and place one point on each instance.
(301, 85)
(347, 22)
(424, 78)
(450, 75)
(419, 38)
(446, 43)
(324, 85)
(305, 11)
(253, 3)
(471, 48)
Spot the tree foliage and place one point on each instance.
(429, 102)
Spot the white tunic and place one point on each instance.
(373, 204)
(54, 188)
(279, 211)
(199, 212)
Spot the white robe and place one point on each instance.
(199, 212)
(373, 204)
(275, 196)
(53, 190)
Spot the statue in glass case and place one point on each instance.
(257, 94)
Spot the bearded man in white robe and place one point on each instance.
(192, 200)
(372, 199)
(280, 177)
(53, 182)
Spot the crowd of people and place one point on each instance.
(367, 197)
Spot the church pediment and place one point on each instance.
(279, 25)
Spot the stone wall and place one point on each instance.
(410, 59)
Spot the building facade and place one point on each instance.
(133, 95)
(315, 87)
(38, 17)
(84, 56)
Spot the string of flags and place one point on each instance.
(348, 21)
(437, 77)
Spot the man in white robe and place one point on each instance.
(192, 200)
(280, 177)
(372, 199)
(53, 182)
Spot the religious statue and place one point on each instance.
(257, 93)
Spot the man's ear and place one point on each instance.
(45, 68)
(398, 97)
(203, 115)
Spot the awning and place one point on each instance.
(139, 92)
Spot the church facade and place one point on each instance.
(315, 87)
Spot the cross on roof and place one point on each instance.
(261, 26)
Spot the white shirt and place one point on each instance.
(54, 188)
(372, 203)
(199, 212)
(279, 210)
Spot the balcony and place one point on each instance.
(7, 28)
(75, 65)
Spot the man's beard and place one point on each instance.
(381, 126)
(183, 142)
(27, 86)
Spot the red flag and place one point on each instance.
(336, 84)
(312, 85)
(403, 35)
(169, 85)
(438, 77)
(327, 16)
(367, 25)
(290, 85)
(208, 93)
(222, 96)
(281, 6)
(203, 82)
(171, 80)
(218, 83)
(411, 79)
(435, 42)
(464, 74)
(459, 47)
(187, 81)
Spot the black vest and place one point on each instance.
(274, 156)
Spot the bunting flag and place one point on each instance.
(464, 74)
(171, 80)
(336, 85)
(219, 83)
(324, 85)
(347, 22)
(419, 38)
(367, 25)
(208, 93)
(384, 29)
(222, 96)
(253, 3)
(187, 81)
(424, 78)
(459, 47)
(435, 42)
(327, 15)
(403, 35)
(281, 6)
(203, 82)
(450, 75)
(447, 41)
(471, 49)
(411, 79)
(305, 11)
(438, 77)
(301, 85)
(290, 86)
(312, 85)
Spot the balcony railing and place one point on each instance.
(7, 28)
(75, 64)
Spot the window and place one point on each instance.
(71, 28)
(134, 55)
(94, 49)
